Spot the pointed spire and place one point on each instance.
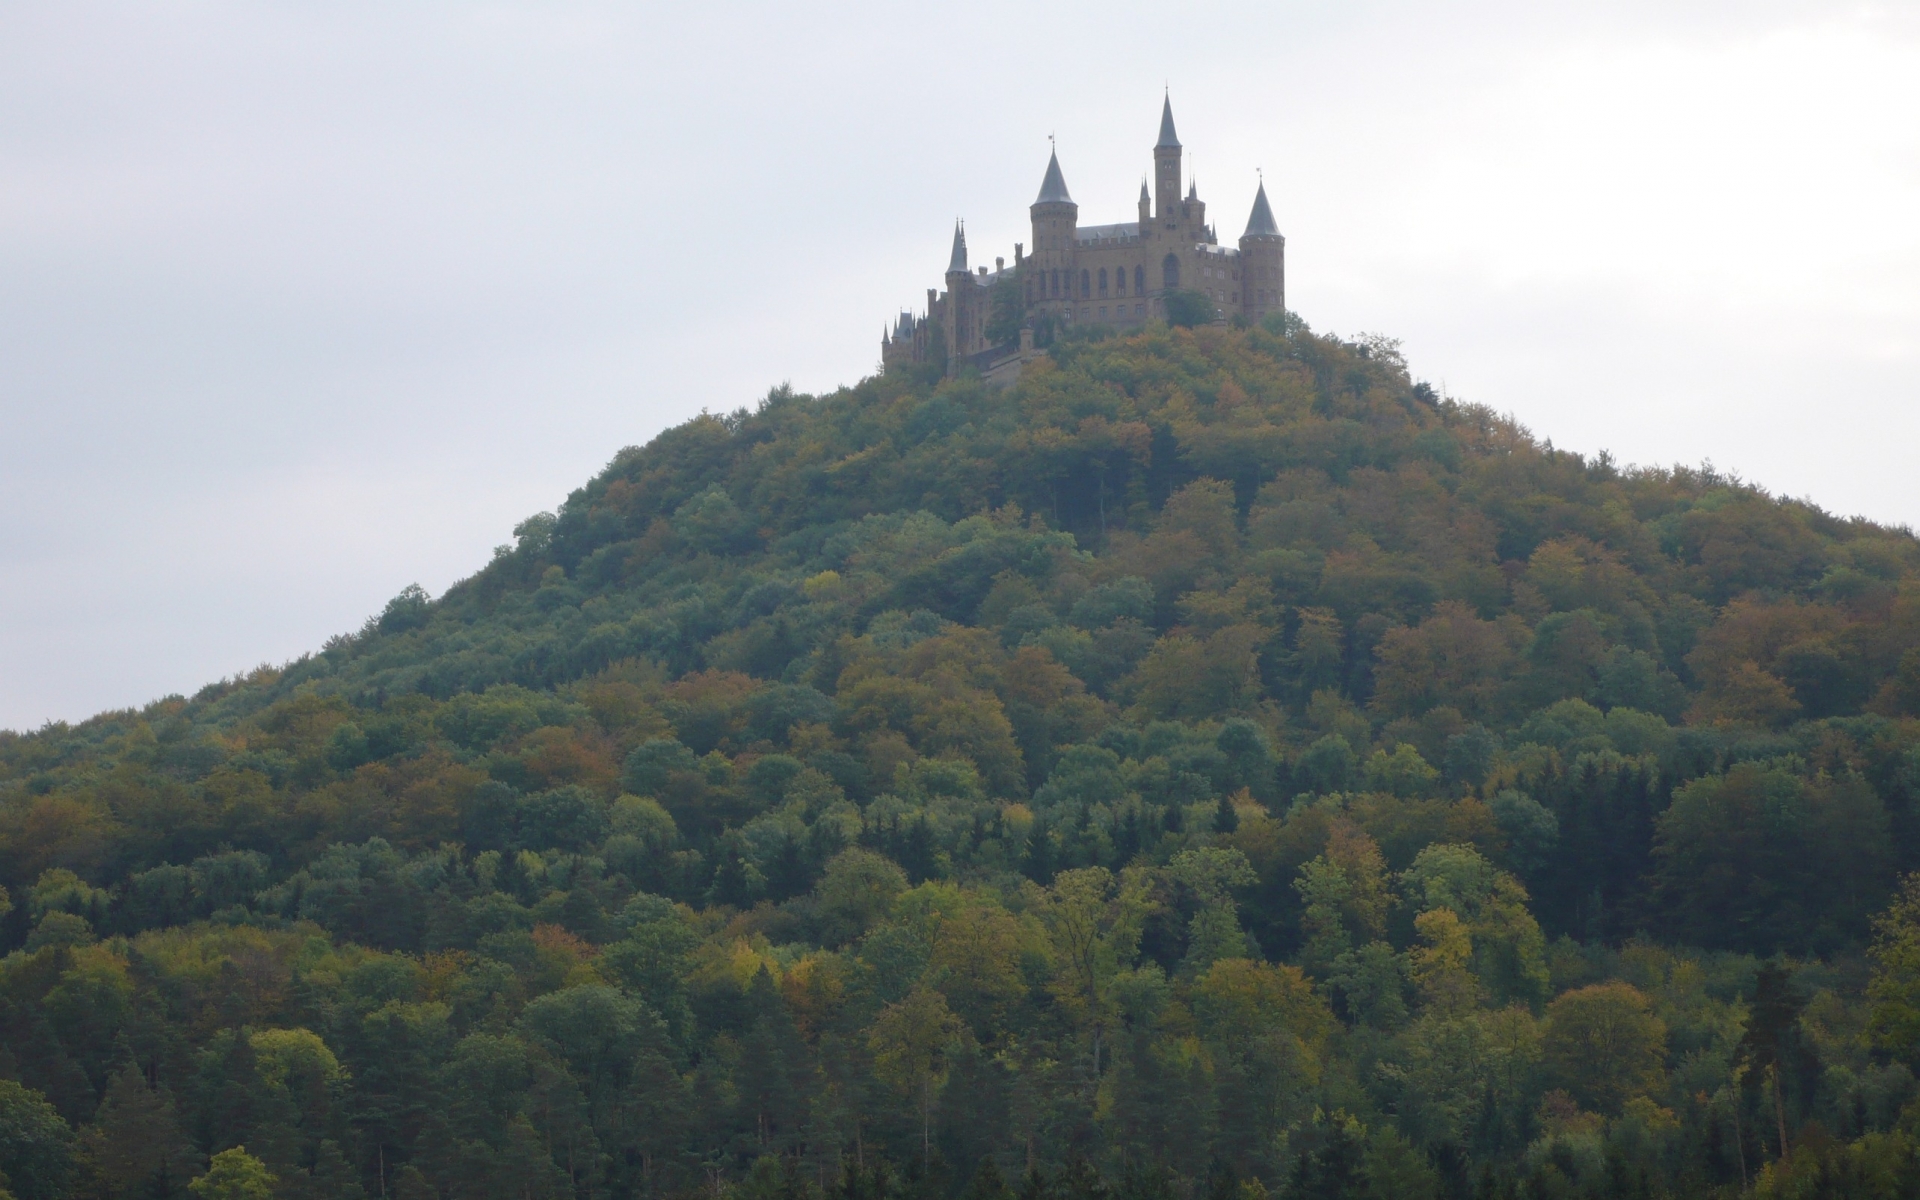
(1144, 197)
(1261, 223)
(959, 260)
(1053, 189)
(1167, 136)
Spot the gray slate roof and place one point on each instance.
(1261, 223)
(959, 260)
(1125, 230)
(1167, 137)
(1053, 189)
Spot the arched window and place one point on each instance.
(1086, 284)
(1103, 281)
(1054, 288)
(1119, 281)
(1139, 280)
(1170, 268)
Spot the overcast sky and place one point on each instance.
(301, 303)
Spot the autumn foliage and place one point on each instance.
(1215, 765)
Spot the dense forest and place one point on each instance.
(1216, 768)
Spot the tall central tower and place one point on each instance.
(1166, 167)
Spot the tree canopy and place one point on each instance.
(1216, 763)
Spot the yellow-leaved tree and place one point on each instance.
(911, 1040)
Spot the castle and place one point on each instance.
(1119, 274)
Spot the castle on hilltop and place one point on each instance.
(1120, 274)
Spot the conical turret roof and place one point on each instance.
(1053, 189)
(959, 260)
(1261, 223)
(1167, 136)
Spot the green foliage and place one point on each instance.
(1187, 308)
(1214, 764)
(1761, 857)
(234, 1175)
(1895, 988)
(36, 1147)
(1604, 1045)
(1006, 310)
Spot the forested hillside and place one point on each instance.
(1215, 768)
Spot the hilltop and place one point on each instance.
(1216, 761)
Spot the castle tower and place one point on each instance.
(1056, 221)
(1166, 167)
(1195, 209)
(1263, 261)
(961, 315)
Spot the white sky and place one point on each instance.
(301, 303)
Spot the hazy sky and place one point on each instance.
(301, 303)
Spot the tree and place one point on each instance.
(1327, 765)
(976, 963)
(1403, 773)
(855, 890)
(1345, 894)
(1095, 928)
(1894, 989)
(1006, 311)
(1453, 658)
(1466, 1076)
(1758, 859)
(234, 1175)
(1267, 1031)
(1604, 1045)
(987, 1183)
(911, 1041)
(1190, 677)
(36, 1147)
(1211, 875)
(135, 1142)
(411, 609)
(1335, 1169)
(1187, 308)
(1507, 947)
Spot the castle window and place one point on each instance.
(1120, 281)
(1055, 288)
(1086, 285)
(1139, 280)
(1103, 282)
(1170, 269)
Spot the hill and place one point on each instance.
(1216, 763)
